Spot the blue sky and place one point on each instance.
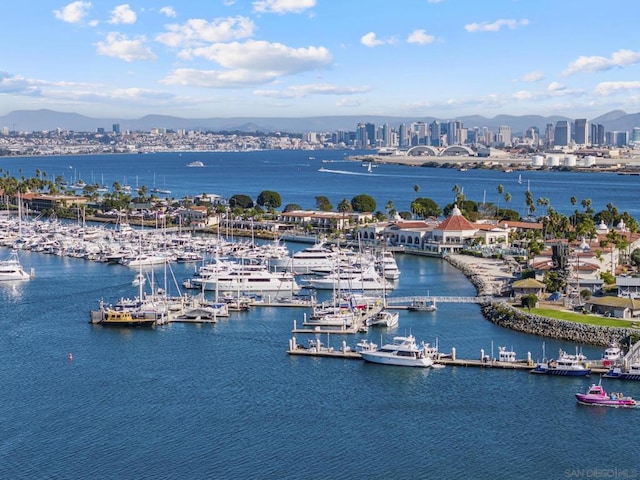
(301, 58)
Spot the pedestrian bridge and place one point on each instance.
(439, 299)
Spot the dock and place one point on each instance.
(317, 349)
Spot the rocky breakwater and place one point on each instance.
(507, 316)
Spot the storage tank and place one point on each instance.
(569, 161)
(589, 161)
(553, 161)
(537, 161)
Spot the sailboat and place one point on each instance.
(155, 189)
(520, 179)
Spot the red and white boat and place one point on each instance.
(597, 396)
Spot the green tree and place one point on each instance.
(269, 199)
(291, 207)
(363, 203)
(425, 207)
(240, 200)
(323, 204)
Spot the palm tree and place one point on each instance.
(500, 189)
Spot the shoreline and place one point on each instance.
(489, 276)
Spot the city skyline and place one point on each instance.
(300, 58)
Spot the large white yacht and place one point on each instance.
(245, 278)
(354, 280)
(311, 259)
(403, 352)
(10, 269)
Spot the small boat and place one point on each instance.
(197, 163)
(597, 396)
(612, 355)
(384, 318)
(565, 365)
(124, 318)
(422, 306)
(403, 351)
(138, 280)
(627, 371)
(504, 355)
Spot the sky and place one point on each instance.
(305, 58)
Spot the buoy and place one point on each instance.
(70, 357)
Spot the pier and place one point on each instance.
(318, 349)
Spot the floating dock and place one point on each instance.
(345, 352)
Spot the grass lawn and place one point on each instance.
(582, 318)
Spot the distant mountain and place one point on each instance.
(39, 120)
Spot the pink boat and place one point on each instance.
(598, 397)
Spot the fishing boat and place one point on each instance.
(403, 351)
(565, 365)
(626, 371)
(598, 397)
(125, 318)
(11, 269)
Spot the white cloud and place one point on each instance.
(123, 14)
(197, 31)
(217, 79)
(524, 95)
(621, 58)
(129, 50)
(74, 12)
(509, 23)
(261, 56)
(434, 1)
(283, 6)
(556, 87)
(532, 77)
(420, 37)
(371, 40)
(300, 91)
(249, 64)
(168, 12)
(612, 88)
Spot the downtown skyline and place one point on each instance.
(301, 58)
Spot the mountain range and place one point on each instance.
(43, 120)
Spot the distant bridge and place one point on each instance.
(440, 299)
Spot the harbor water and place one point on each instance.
(225, 400)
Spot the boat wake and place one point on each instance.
(346, 172)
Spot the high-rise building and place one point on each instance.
(635, 135)
(504, 136)
(548, 135)
(581, 128)
(596, 137)
(115, 128)
(435, 133)
(562, 133)
(403, 138)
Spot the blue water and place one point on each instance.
(225, 400)
(298, 180)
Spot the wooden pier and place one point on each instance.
(345, 352)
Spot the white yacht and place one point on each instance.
(317, 257)
(367, 279)
(403, 352)
(197, 163)
(246, 278)
(384, 318)
(388, 266)
(10, 269)
(143, 260)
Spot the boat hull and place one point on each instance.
(373, 357)
(584, 399)
(561, 372)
